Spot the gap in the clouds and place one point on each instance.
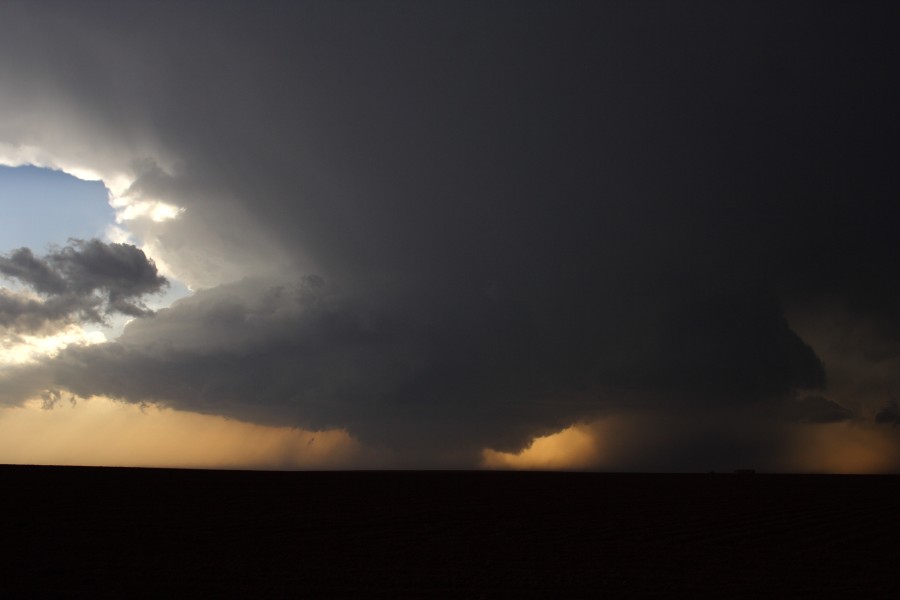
(41, 207)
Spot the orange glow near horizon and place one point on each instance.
(843, 448)
(613, 443)
(102, 432)
(575, 447)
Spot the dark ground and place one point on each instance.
(94, 532)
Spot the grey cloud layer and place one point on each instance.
(890, 414)
(522, 215)
(309, 356)
(84, 281)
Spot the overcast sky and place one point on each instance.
(661, 236)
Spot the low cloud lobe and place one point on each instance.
(85, 281)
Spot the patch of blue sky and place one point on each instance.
(40, 207)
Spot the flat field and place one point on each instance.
(110, 532)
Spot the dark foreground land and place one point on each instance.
(91, 532)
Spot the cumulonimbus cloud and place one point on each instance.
(446, 229)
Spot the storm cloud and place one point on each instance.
(447, 227)
(816, 409)
(85, 281)
(890, 414)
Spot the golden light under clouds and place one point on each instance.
(617, 443)
(843, 448)
(576, 447)
(108, 433)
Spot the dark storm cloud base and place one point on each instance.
(91, 532)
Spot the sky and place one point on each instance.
(622, 236)
(28, 195)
